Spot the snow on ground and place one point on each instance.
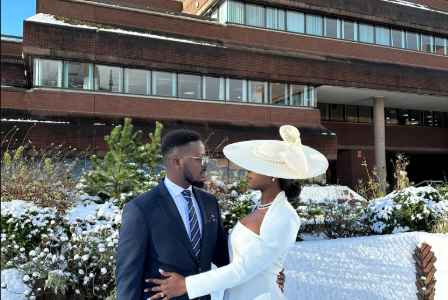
(376, 267)
(49, 19)
(13, 279)
(320, 193)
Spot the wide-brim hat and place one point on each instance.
(287, 159)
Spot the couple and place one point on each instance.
(170, 235)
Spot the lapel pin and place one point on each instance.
(212, 218)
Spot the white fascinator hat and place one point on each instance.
(287, 159)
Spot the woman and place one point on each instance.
(259, 243)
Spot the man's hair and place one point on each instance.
(178, 139)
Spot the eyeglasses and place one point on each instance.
(204, 159)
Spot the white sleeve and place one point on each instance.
(277, 235)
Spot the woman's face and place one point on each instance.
(257, 181)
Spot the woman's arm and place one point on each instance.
(277, 235)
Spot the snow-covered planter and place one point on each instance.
(411, 209)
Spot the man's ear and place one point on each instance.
(176, 161)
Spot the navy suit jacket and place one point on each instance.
(153, 236)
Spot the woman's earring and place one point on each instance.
(273, 179)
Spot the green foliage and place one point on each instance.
(236, 212)
(121, 175)
(57, 281)
(400, 173)
(374, 187)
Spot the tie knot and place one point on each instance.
(186, 193)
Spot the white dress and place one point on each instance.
(255, 260)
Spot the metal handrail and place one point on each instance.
(429, 181)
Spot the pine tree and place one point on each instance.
(149, 155)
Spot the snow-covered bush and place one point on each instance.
(411, 209)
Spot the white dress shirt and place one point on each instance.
(182, 205)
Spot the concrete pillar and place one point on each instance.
(379, 125)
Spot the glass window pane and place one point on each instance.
(137, 81)
(403, 116)
(163, 84)
(48, 72)
(333, 28)
(351, 113)
(213, 88)
(314, 25)
(271, 18)
(258, 91)
(235, 12)
(278, 92)
(297, 94)
(397, 38)
(281, 19)
(366, 33)
(214, 14)
(427, 43)
(323, 107)
(189, 86)
(255, 15)
(295, 21)
(222, 16)
(440, 45)
(78, 75)
(365, 114)
(312, 97)
(416, 118)
(349, 31)
(391, 116)
(236, 90)
(108, 78)
(412, 41)
(382, 36)
(438, 119)
(337, 112)
(427, 118)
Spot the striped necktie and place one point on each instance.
(195, 235)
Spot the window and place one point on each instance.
(365, 114)
(438, 119)
(397, 38)
(78, 75)
(275, 18)
(236, 90)
(222, 15)
(295, 21)
(213, 88)
(427, 118)
(351, 113)
(314, 25)
(323, 107)
(137, 81)
(47, 72)
(415, 118)
(278, 93)
(297, 94)
(440, 45)
(366, 33)
(255, 15)
(412, 41)
(349, 31)
(391, 116)
(108, 78)
(235, 12)
(189, 86)
(214, 14)
(164, 84)
(310, 96)
(382, 36)
(332, 28)
(403, 116)
(427, 43)
(258, 91)
(281, 19)
(337, 112)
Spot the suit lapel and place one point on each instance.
(166, 203)
(204, 216)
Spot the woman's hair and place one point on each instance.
(291, 187)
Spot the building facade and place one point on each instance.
(359, 79)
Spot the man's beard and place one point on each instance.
(188, 177)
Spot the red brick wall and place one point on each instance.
(11, 48)
(349, 168)
(189, 6)
(12, 71)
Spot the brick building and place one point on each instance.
(360, 79)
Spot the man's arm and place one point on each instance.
(221, 254)
(132, 246)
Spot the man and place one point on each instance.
(175, 227)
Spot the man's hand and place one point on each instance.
(173, 286)
(281, 278)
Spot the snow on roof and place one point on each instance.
(320, 193)
(415, 5)
(50, 19)
(368, 268)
